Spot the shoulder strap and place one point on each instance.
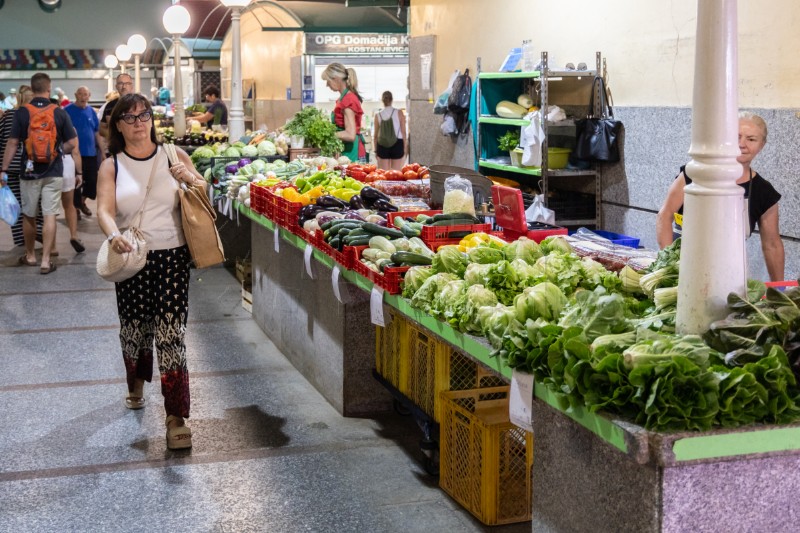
(116, 167)
(149, 186)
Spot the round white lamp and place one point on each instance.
(111, 63)
(137, 44)
(123, 53)
(236, 116)
(176, 21)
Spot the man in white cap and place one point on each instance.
(11, 100)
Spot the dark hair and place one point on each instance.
(387, 98)
(211, 90)
(40, 83)
(116, 141)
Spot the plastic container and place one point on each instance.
(558, 157)
(509, 212)
(528, 59)
(391, 352)
(617, 238)
(485, 461)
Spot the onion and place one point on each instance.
(353, 215)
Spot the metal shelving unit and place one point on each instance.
(537, 83)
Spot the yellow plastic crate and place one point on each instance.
(485, 461)
(458, 371)
(391, 352)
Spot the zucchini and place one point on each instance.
(399, 222)
(373, 254)
(359, 232)
(458, 234)
(410, 231)
(383, 263)
(456, 216)
(382, 230)
(419, 246)
(357, 241)
(410, 258)
(334, 243)
(382, 243)
(337, 221)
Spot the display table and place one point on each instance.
(590, 473)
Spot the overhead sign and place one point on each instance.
(356, 43)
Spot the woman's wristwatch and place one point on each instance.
(112, 235)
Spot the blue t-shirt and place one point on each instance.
(86, 122)
(220, 113)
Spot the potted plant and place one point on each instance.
(508, 142)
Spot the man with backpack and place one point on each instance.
(46, 132)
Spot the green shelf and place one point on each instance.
(509, 168)
(491, 119)
(508, 75)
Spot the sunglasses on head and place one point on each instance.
(129, 118)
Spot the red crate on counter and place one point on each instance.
(409, 214)
(344, 258)
(510, 215)
(389, 280)
(258, 200)
(286, 214)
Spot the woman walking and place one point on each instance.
(153, 304)
(390, 124)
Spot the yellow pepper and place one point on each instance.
(316, 192)
(344, 194)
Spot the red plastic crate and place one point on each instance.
(534, 235)
(410, 214)
(438, 233)
(389, 280)
(344, 258)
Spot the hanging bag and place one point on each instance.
(198, 220)
(598, 137)
(386, 136)
(9, 206)
(115, 266)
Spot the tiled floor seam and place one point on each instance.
(113, 381)
(108, 327)
(190, 460)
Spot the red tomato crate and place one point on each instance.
(389, 280)
(434, 234)
(344, 258)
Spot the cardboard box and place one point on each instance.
(244, 271)
(247, 297)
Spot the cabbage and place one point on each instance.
(555, 243)
(260, 165)
(238, 144)
(562, 269)
(250, 151)
(280, 163)
(432, 286)
(595, 274)
(476, 274)
(266, 148)
(544, 300)
(448, 304)
(344, 160)
(477, 296)
(203, 152)
(485, 255)
(414, 278)
(523, 248)
(231, 152)
(495, 322)
(450, 259)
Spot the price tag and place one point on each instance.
(376, 306)
(277, 239)
(335, 282)
(307, 260)
(520, 402)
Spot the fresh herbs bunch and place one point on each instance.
(508, 141)
(317, 129)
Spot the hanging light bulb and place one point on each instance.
(49, 6)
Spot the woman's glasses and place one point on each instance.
(128, 118)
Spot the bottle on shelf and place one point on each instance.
(528, 60)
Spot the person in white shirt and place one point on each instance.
(10, 101)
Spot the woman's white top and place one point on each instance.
(386, 114)
(161, 220)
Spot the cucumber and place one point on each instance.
(453, 216)
(409, 231)
(410, 258)
(382, 230)
(334, 230)
(455, 222)
(344, 232)
(359, 232)
(334, 243)
(357, 241)
(336, 222)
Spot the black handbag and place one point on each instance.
(598, 137)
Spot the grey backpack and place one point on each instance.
(386, 136)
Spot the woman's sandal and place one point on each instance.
(135, 398)
(23, 261)
(179, 435)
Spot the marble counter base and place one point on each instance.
(332, 344)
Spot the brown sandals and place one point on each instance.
(179, 436)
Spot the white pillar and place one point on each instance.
(236, 115)
(712, 252)
(179, 121)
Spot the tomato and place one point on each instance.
(393, 175)
(415, 167)
(369, 168)
(410, 175)
(359, 175)
(406, 168)
(372, 177)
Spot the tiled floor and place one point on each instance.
(270, 454)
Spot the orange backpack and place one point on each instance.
(42, 135)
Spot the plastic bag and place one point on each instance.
(458, 196)
(9, 206)
(537, 212)
(448, 126)
(531, 138)
(440, 107)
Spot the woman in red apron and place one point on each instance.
(348, 112)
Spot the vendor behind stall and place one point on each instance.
(217, 112)
(348, 111)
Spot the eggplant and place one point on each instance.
(384, 205)
(331, 202)
(308, 212)
(356, 202)
(232, 168)
(353, 215)
(370, 195)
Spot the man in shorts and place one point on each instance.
(88, 126)
(39, 181)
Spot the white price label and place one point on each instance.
(307, 260)
(376, 306)
(335, 282)
(277, 239)
(520, 405)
